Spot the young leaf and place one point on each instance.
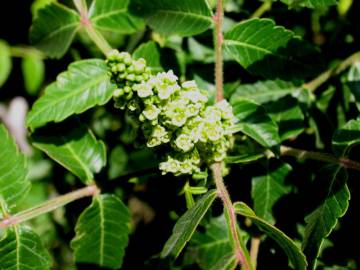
(113, 15)
(264, 91)
(21, 248)
(253, 121)
(211, 246)
(180, 17)
(76, 149)
(54, 29)
(102, 232)
(13, 171)
(268, 50)
(269, 187)
(293, 252)
(85, 85)
(150, 52)
(323, 219)
(5, 62)
(186, 225)
(353, 81)
(33, 70)
(287, 114)
(346, 137)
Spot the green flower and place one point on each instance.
(151, 112)
(143, 90)
(184, 142)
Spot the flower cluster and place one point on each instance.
(172, 114)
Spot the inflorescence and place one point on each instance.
(172, 114)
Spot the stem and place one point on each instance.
(262, 9)
(303, 154)
(216, 168)
(323, 77)
(85, 22)
(49, 206)
(228, 206)
(254, 250)
(22, 52)
(218, 41)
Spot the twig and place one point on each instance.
(265, 6)
(304, 154)
(49, 206)
(254, 250)
(323, 77)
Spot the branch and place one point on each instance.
(218, 41)
(323, 77)
(48, 206)
(303, 154)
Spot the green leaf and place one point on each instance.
(21, 248)
(33, 70)
(113, 16)
(54, 29)
(186, 225)
(270, 51)
(102, 232)
(5, 62)
(13, 171)
(310, 3)
(293, 252)
(268, 187)
(150, 52)
(245, 158)
(287, 114)
(212, 246)
(253, 121)
(346, 137)
(85, 85)
(265, 91)
(323, 219)
(76, 149)
(180, 17)
(353, 81)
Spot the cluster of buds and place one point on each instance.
(172, 114)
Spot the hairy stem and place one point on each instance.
(216, 168)
(49, 206)
(218, 41)
(94, 35)
(303, 154)
(228, 206)
(265, 6)
(254, 250)
(323, 77)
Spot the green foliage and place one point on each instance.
(186, 225)
(281, 100)
(255, 122)
(113, 16)
(13, 171)
(82, 87)
(268, 50)
(54, 29)
(208, 248)
(268, 187)
(102, 232)
(76, 149)
(293, 252)
(180, 17)
(33, 69)
(5, 62)
(321, 221)
(21, 248)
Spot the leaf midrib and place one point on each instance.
(108, 14)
